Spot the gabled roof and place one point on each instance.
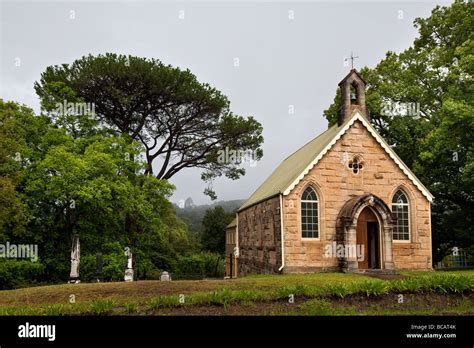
(352, 72)
(233, 223)
(292, 170)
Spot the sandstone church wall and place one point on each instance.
(335, 184)
(260, 238)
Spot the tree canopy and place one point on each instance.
(180, 122)
(215, 222)
(55, 184)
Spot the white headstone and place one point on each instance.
(165, 277)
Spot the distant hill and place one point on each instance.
(192, 214)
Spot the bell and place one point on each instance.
(353, 96)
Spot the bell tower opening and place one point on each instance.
(352, 97)
(353, 94)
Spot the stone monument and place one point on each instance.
(75, 259)
(129, 270)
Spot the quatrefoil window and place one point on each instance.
(356, 165)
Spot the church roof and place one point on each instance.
(352, 72)
(287, 175)
(291, 168)
(233, 223)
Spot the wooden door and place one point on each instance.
(362, 238)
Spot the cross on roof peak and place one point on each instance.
(352, 59)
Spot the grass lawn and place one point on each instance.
(291, 294)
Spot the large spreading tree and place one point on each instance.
(181, 122)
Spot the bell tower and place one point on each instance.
(352, 97)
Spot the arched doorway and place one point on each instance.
(366, 220)
(368, 239)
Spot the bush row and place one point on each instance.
(21, 273)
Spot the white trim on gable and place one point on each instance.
(380, 140)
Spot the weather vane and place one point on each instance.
(352, 59)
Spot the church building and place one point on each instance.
(343, 202)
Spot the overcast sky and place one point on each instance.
(268, 57)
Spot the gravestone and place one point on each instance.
(75, 259)
(165, 277)
(129, 270)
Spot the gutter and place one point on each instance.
(282, 235)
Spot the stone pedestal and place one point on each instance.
(128, 275)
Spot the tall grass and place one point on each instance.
(101, 307)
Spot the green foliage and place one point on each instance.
(163, 302)
(295, 290)
(18, 124)
(317, 307)
(54, 310)
(130, 308)
(164, 108)
(215, 221)
(374, 288)
(339, 290)
(441, 283)
(199, 266)
(114, 261)
(74, 177)
(19, 273)
(193, 216)
(101, 307)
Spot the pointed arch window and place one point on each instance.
(309, 214)
(400, 207)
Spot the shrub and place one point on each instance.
(53, 310)
(339, 290)
(446, 283)
(163, 302)
(199, 266)
(113, 263)
(19, 273)
(296, 290)
(442, 283)
(101, 307)
(374, 288)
